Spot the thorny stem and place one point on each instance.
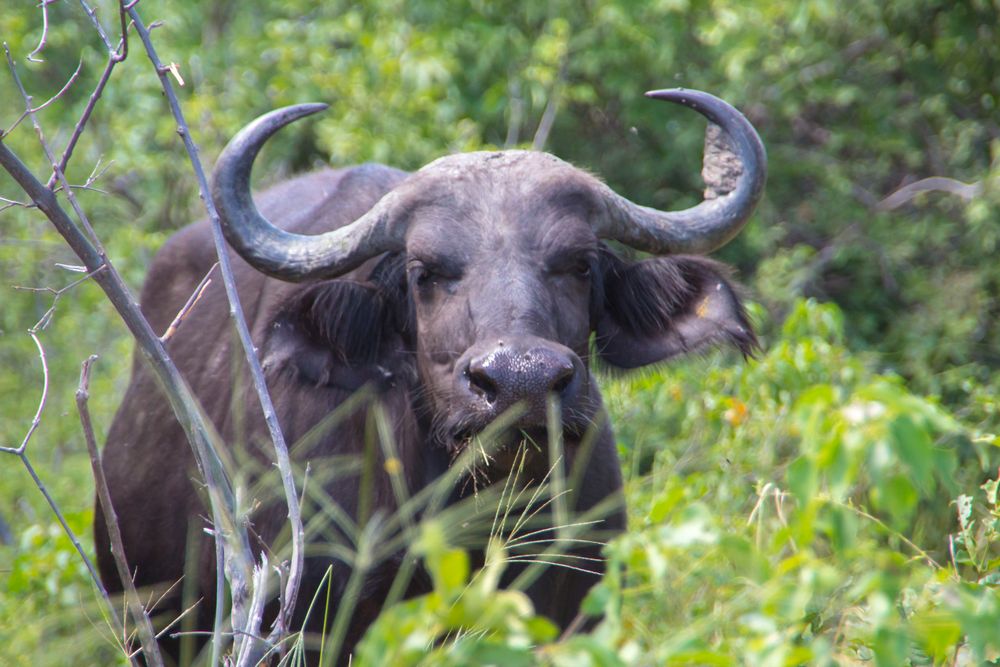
(223, 500)
(237, 563)
(82, 123)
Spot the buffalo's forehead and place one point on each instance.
(476, 164)
(518, 199)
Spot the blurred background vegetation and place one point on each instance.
(829, 502)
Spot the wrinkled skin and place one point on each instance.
(495, 303)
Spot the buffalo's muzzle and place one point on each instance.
(521, 375)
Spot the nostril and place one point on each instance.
(562, 380)
(482, 384)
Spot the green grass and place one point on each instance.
(800, 508)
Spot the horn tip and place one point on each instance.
(685, 96)
(309, 108)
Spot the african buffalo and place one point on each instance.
(476, 287)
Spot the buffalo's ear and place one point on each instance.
(338, 333)
(659, 308)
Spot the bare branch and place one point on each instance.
(231, 540)
(72, 537)
(45, 32)
(97, 25)
(516, 111)
(21, 453)
(192, 300)
(114, 57)
(37, 419)
(549, 115)
(11, 203)
(33, 332)
(270, 417)
(905, 194)
(61, 177)
(113, 60)
(183, 403)
(238, 561)
(24, 114)
(73, 77)
(144, 627)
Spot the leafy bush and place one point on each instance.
(832, 540)
(829, 540)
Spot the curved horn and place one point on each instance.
(712, 223)
(281, 254)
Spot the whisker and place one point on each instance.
(564, 565)
(573, 540)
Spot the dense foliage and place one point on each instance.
(834, 500)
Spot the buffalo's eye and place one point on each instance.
(426, 275)
(423, 277)
(578, 268)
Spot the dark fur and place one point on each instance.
(322, 342)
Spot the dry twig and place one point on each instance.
(905, 194)
(186, 309)
(45, 32)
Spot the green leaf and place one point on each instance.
(990, 487)
(803, 479)
(914, 448)
(939, 633)
(842, 525)
(898, 497)
(451, 572)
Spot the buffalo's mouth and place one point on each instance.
(499, 444)
(487, 458)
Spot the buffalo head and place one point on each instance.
(504, 275)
